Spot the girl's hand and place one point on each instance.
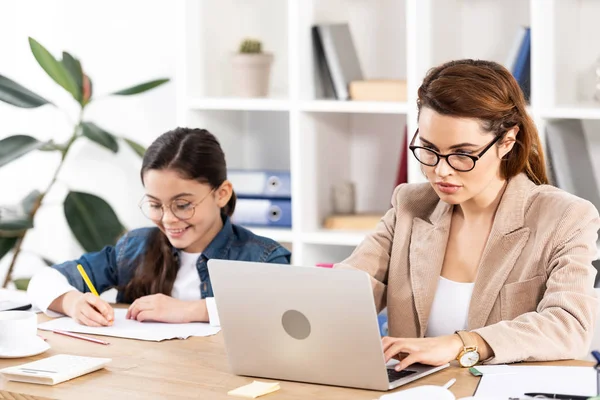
(431, 351)
(163, 308)
(87, 309)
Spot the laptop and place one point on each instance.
(303, 324)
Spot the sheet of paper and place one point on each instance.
(255, 389)
(579, 381)
(125, 328)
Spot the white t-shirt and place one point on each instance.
(450, 308)
(49, 284)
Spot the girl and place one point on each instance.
(486, 248)
(162, 271)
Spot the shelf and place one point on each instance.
(581, 111)
(281, 235)
(235, 103)
(339, 106)
(334, 237)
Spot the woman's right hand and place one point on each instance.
(87, 309)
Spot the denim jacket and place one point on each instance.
(113, 266)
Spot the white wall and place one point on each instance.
(120, 43)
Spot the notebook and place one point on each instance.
(55, 369)
(255, 389)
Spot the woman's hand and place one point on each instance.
(86, 308)
(163, 308)
(431, 351)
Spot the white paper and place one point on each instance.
(131, 329)
(579, 381)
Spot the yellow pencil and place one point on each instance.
(87, 280)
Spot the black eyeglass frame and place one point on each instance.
(475, 158)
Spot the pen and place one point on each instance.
(86, 279)
(557, 396)
(74, 335)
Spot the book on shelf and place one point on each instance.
(378, 90)
(519, 60)
(322, 78)
(363, 222)
(402, 172)
(570, 161)
(334, 43)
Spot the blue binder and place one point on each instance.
(261, 183)
(263, 212)
(522, 66)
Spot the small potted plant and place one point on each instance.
(251, 69)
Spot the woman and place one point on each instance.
(486, 248)
(163, 270)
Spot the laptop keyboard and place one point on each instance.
(394, 375)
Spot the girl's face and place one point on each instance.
(186, 211)
(447, 134)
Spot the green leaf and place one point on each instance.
(21, 283)
(100, 136)
(92, 221)
(138, 148)
(13, 93)
(53, 68)
(142, 87)
(30, 202)
(6, 245)
(16, 146)
(73, 67)
(15, 219)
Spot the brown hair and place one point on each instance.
(193, 154)
(487, 91)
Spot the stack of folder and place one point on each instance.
(264, 198)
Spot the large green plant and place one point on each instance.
(91, 219)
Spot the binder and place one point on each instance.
(522, 67)
(261, 184)
(340, 55)
(263, 212)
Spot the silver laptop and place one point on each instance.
(304, 324)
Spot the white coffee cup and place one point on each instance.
(18, 334)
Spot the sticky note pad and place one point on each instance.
(255, 389)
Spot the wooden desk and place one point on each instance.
(185, 369)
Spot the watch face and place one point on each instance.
(469, 359)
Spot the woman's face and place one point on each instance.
(197, 208)
(447, 134)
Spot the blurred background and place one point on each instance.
(312, 99)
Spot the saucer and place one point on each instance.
(31, 347)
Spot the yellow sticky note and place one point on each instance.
(255, 389)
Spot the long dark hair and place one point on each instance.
(487, 91)
(193, 154)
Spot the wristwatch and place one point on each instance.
(468, 356)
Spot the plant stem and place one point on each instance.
(17, 248)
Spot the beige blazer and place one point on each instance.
(533, 297)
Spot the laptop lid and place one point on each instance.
(299, 323)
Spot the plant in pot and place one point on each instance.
(252, 69)
(91, 219)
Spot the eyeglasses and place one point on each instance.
(180, 208)
(458, 161)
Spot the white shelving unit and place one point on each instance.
(324, 141)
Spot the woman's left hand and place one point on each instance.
(431, 351)
(160, 308)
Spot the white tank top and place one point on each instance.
(450, 308)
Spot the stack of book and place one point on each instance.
(264, 198)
